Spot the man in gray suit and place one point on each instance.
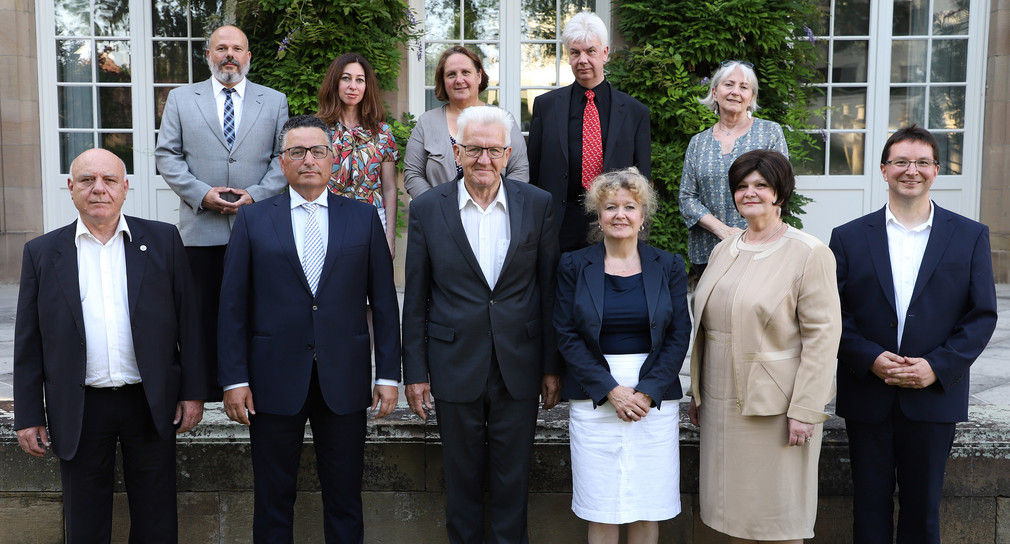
(218, 150)
(478, 301)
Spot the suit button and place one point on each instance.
(314, 307)
(491, 302)
(654, 324)
(894, 324)
(230, 160)
(310, 346)
(489, 334)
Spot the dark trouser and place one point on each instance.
(339, 442)
(207, 263)
(494, 435)
(120, 415)
(912, 454)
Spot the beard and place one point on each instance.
(228, 78)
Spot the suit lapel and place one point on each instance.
(207, 104)
(453, 223)
(560, 120)
(616, 119)
(594, 273)
(939, 238)
(252, 105)
(136, 262)
(65, 264)
(652, 275)
(516, 203)
(335, 236)
(876, 242)
(280, 215)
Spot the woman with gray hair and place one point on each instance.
(623, 326)
(705, 201)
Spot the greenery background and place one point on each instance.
(673, 46)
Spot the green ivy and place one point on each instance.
(674, 46)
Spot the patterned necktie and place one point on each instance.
(229, 118)
(313, 252)
(592, 148)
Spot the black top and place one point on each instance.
(625, 327)
(576, 221)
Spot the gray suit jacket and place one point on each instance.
(193, 156)
(429, 160)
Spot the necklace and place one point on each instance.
(766, 238)
(724, 129)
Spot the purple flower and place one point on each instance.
(824, 135)
(705, 80)
(810, 34)
(287, 39)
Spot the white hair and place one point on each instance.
(724, 72)
(583, 26)
(485, 115)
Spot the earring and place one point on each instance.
(642, 227)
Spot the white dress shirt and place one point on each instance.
(906, 248)
(487, 231)
(236, 101)
(105, 303)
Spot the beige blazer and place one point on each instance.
(786, 324)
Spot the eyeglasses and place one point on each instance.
(474, 151)
(297, 153)
(726, 63)
(920, 164)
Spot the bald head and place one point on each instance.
(99, 158)
(228, 55)
(98, 187)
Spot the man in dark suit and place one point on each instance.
(582, 130)
(105, 350)
(300, 269)
(918, 306)
(217, 149)
(480, 275)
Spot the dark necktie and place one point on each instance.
(592, 147)
(229, 118)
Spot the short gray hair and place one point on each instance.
(724, 72)
(583, 26)
(484, 115)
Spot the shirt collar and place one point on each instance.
(239, 87)
(464, 196)
(891, 219)
(297, 199)
(82, 230)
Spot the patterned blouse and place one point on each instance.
(704, 185)
(357, 163)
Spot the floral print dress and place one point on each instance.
(357, 163)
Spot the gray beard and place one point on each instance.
(227, 78)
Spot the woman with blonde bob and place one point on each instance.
(768, 325)
(623, 327)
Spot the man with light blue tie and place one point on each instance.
(294, 345)
(217, 149)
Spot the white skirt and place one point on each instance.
(623, 471)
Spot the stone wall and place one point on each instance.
(404, 486)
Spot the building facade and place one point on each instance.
(85, 73)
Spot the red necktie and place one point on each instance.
(592, 148)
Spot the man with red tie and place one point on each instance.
(582, 130)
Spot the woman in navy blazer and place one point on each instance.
(623, 325)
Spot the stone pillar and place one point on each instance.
(995, 210)
(20, 140)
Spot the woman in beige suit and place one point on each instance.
(762, 369)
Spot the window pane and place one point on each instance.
(950, 61)
(821, 48)
(112, 17)
(950, 17)
(852, 17)
(846, 154)
(946, 107)
(73, 18)
(113, 61)
(848, 108)
(526, 98)
(821, 25)
(441, 20)
(168, 17)
(73, 144)
(539, 65)
(911, 18)
(908, 61)
(206, 16)
(491, 96)
(160, 97)
(115, 107)
(818, 100)
(75, 108)
(568, 8)
(170, 62)
(73, 61)
(849, 63)
(813, 165)
(908, 105)
(951, 152)
(430, 102)
(488, 54)
(537, 20)
(120, 143)
(432, 52)
(480, 19)
(201, 71)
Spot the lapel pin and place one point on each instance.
(143, 247)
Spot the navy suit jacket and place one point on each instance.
(951, 316)
(50, 353)
(452, 318)
(271, 327)
(628, 141)
(578, 318)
